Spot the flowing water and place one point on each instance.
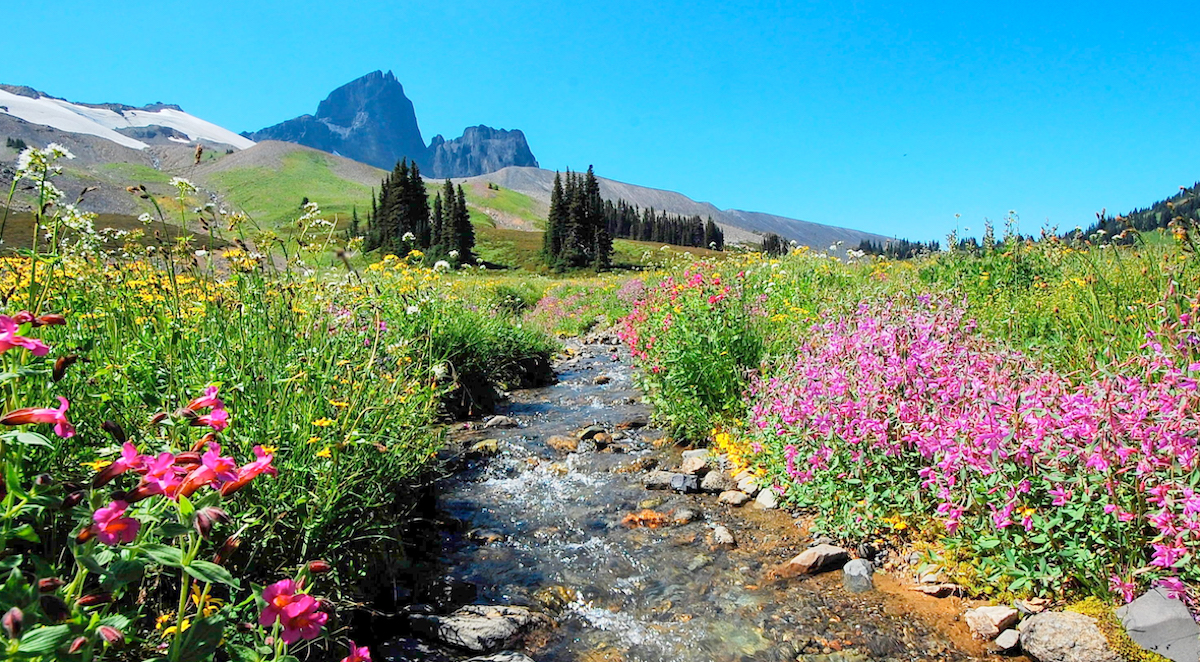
(537, 527)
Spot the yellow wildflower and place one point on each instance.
(97, 465)
(323, 422)
(325, 452)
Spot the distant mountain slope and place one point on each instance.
(370, 119)
(739, 226)
(124, 125)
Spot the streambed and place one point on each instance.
(525, 524)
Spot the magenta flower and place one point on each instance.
(217, 419)
(129, 460)
(112, 527)
(162, 476)
(357, 654)
(261, 465)
(30, 415)
(1127, 589)
(213, 468)
(277, 596)
(301, 619)
(209, 399)
(9, 338)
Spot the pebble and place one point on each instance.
(685, 516)
(767, 500)
(1008, 640)
(685, 483)
(734, 498)
(500, 422)
(856, 576)
(716, 482)
(694, 465)
(819, 559)
(722, 537)
(599, 380)
(563, 443)
(989, 622)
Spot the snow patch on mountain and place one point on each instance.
(103, 122)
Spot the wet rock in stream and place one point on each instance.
(479, 628)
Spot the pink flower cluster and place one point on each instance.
(297, 613)
(908, 386)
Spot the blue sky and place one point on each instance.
(878, 116)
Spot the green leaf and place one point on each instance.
(33, 439)
(210, 572)
(173, 529)
(185, 506)
(44, 640)
(164, 554)
(10, 562)
(242, 653)
(200, 640)
(25, 532)
(122, 572)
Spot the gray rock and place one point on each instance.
(823, 540)
(1064, 636)
(723, 537)
(856, 576)
(506, 656)
(734, 498)
(500, 422)
(1162, 625)
(1008, 640)
(408, 650)
(767, 500)
(658, 480)
(701, 453)
(684, 483)
(479, 628)
(685, 516)
(716, 482)
(819, 559)
(749, 485)
(988, 622)
(634, 422)
(699, 561)
(588, 445)
(590, 431)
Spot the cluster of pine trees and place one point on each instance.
(626, 221)
(1182, 207)
(774, 245)
(401, 218)
(898, 249)
(15, 143)
(576, 229)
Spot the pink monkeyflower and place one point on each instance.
(112, 527)
(1062, 496)
(9, 338)
(249, 471)
(1166, 556)
(357, 654)
(162, 476)
(130, 460)
(301, 619)
(1174, 587)
(213, 468)
(217, 419)
(30, 415)
(209, 399)
(277, 596)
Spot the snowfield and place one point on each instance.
(101, 122)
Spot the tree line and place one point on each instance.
(402, 219)
(576, 228)
(1183, 207)
(627, 221)
(898, 249)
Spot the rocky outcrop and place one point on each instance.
(1064, 636)
(479, 628)
(480, 150)
(371, 120)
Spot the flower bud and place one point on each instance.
(204, 441)
(23, 317)
(72, 500)
(77, 645)
(188, 459)
(227, 549)
(319, 567)
(50, 584)
(60, 366)
(115, 431)
(50, 319)
(187, 414)
(54, 608)
(158, 418)
(95, 599)
(86, 534)
(13, 622)
(207, 517)
(111, 634)
(43, 480)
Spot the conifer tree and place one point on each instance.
(464, 229)
(437, 224)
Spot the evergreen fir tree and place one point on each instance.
(465, 231)
(438, 235)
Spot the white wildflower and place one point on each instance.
(412, 310)
(441, 265)
(453, 254)
(145, 219)
(408, 236)
(182, 185)
(201, 253)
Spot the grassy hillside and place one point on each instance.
(273, 195)
(518, 249)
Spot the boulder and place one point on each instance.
(856, 576)
(590, 431)
(500, 422)
(749, 485)
(478, 628)
(563, 443)
(685, 483)
(694, 465)
(819, 559)
(600, 380)
(658, 480)
(988, 622)
(734, 498)
(685, 516)
(716, 482)
(1008, 640)
(634, 422)
(484, 448)
(1064, 636)
(603, 439)
(696, 452)
(767, 499)
(1162, 625)
(722, 537)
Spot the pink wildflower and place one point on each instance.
(357, 654)
(249, 471)
(29, 415)
(9, 338)
(301, 619)
(112, 527)
(209, 399)
(277, 596)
